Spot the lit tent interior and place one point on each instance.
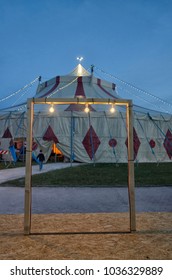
(98, 135)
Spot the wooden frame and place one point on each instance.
(64, 101)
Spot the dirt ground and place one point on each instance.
(87, 237)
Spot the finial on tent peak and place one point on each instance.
(80, 58)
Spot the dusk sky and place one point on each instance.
(131, 39)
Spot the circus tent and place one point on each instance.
(94, 136)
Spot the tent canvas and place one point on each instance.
(99, 135)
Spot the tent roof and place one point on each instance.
(79, 70)
(78, 83)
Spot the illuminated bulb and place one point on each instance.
(112, 109)
(51, 109)
(86, 108)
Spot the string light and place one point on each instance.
(62, 87)
(16, 92)
(136, 88)
(20, 97)
(70, 83)
(29, 85)
(157, 107)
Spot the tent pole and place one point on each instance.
(71, 140)
(131, 180)
(28, 188)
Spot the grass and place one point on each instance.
(4, 165)
(104, 175)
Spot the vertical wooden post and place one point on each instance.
(28, 187)
(131, 179)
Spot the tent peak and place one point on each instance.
(79, 70)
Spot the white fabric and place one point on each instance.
(105, 126)
(70, 128)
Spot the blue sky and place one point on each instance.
(131, 39)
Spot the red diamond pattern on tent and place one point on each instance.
(152, 143)
(168, 143)
(91, 142)
(50, 136)
(7, 134)
(80, 88)
(136, 143)
(79, 93)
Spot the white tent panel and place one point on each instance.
(94, 137)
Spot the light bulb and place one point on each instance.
(86, 108)
(112, 109)
(51, 109)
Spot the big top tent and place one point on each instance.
(97, 135)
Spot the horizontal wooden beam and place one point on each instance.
(65, 101)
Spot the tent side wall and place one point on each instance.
(95, 137)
